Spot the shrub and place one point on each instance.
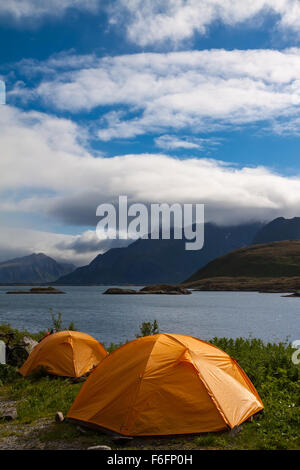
(148, 328)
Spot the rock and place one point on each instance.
(37, 290)
(235, 431)
(77, 380)
(121, 440)
(10, 414)
(82, 430)
(159, 289)
(99, 448)
(294, 294)
(118, 290)
(59, 417)
(165, 289)
(28, 344)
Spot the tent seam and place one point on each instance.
(210, 393)
(138, 389)
(73, 359)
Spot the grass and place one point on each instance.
(269, 366)
(40, 398)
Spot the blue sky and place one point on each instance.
(180, 101)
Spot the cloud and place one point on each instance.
(191, 91)
(77, 249)
(53, 174)
(151, 22)
(36, 9)
(172, 142)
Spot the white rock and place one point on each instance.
(59, 417)
(99, 448)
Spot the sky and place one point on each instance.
(189, 101)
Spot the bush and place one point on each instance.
(8, 374)
(57, 322)
(19, 334)
(148, 328)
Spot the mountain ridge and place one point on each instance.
(33, 268)
(148, 261)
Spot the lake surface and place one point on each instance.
(117, 317)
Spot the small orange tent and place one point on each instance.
(66, 353)
(166, 384)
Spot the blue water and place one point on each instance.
(117, 317)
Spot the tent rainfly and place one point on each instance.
(66, 353)
(166, 384)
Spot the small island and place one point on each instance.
(155, 289)
(37, 290)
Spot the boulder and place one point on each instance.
(28, 343)
(10, 414)
(59, 417)
(235, 431)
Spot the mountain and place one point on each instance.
(278, 230)
(148, 261)
(35, 268)
(268, 264)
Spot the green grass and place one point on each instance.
(269, 367)
(40, 398)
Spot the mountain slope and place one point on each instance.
(160, 261)
(269, 260)
(278, 230)
(35, 268)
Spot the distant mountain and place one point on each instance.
(35, 268)
(270, 266)
(148, 261)
(278, 230)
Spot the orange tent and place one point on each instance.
(66, 353)
(166, 384)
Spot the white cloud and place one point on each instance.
(35, 9)
(149, 22)
(172, 142)
(78, 249)
(198, 91)
(52, 173)
(46, 170)
(153, 21)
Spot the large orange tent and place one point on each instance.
(166, 384)
(66, 353)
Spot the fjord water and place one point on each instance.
(115, 318)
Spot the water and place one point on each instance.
(117, 317)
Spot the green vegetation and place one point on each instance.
(57, 322)
(269, 366)
(148, 328)
(272, 266)
(40, 397)
(277, 380)
(18, 335)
